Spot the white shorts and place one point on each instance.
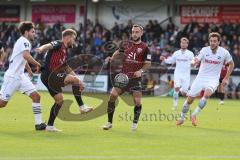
(11, 85)
(200, 84)
(182, 82)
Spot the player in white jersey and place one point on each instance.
(15, 79)
(212, 59)
(183, 59)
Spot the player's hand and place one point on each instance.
(137, 74)
(81, 85)
(162, 58)
(195, 62)
(108, 59)
(30, 74)
(38, 50)
(225, 81)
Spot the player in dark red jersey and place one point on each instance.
(56, 73)
(136, 59)
(220, 91)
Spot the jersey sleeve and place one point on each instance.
(25, 46)
(171, 59)
(228, 57)
(147, 55)
(56, 44)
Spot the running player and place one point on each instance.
(15, 79)
(56, 74)
(212, 59)
(137, 59)
(183, 59)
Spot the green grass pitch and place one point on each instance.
(216, 137)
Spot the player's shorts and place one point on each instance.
(54, 82)
(182, 82)
(200, 84)
(12, 84)
(134, 84)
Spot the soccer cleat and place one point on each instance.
(85, 109)
(134, 127)
(52, 129)
(179, 122)
(40, 127)
(221, 102)
(194, 120)
(107, 126)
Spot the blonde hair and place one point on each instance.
(68, 32)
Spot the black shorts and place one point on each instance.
(134, 84)
(54, 82)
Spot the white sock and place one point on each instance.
(202, 103)
(184, 110)
(37, 112)
(175, 99)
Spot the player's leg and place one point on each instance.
(203, 101)
(74, 81)
(220, 92)
(137, 95)
(185, 86)
(177, 85)
(58, 98)
(29, 89)
(193, 92)
(111, 106)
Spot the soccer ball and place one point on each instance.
(121, 80)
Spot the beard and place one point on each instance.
(136, 40)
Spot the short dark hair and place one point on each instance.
(184, 39)
(25, 26)
(68, 32)
(215, 34)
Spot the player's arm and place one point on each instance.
(169, 60)
(29, 70)
(53, 45)
(27, 56)
(44, 48)
(229, 71)
(146, 64)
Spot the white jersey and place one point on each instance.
(183, 61)
(211, 64)
(17, 62)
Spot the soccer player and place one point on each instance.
(183, 59)
(56, 74)
(212, 59)
(15, 79)
(220, 91)
(137, 59)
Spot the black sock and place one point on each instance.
(110, 110)
(221, 96)
(77, 95)
(53, 113)
(137, 112)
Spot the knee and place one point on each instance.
(58, 99)
(2, 105)
(113, 97)
(35, 97)
(190, 100)
(137, 101)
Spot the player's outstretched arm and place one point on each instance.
(229, 71)
(44, 48)
(30, 59)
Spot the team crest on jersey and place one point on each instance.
(219, 57)
(139, 50)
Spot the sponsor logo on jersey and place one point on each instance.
(212, 61)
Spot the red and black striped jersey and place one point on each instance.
(56, 56)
